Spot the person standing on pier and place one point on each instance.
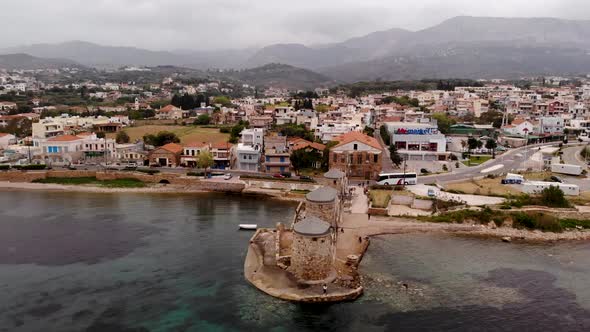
(325, 288)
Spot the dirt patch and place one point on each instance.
(488, 187)
(187, 134)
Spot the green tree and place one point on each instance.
(396, 159)
(295, 130)
(492, 145)
(203, 119)
(301, 159)
(20, 127)
(222, 100)
(385, 135)
(122, 137)
(479, 144)
(205, 160)
(234, 135)
(471, 144)
(162, 138)
(444, 122)
(369, 131)
(101, 135)
(554, 197)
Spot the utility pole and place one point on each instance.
(526, 143)
(404, 185)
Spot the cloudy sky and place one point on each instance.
(193, 24)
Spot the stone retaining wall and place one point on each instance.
(175, 179)
(281, 185)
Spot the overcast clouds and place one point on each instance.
(172, 24)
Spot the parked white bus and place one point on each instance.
(397, 179)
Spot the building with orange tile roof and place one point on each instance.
(358, 155)
(166, 156)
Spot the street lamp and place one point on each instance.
(526, 143)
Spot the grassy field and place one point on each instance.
(380, 198)
(118, 183)
(476, 160)
(187, 134)
(490, 187)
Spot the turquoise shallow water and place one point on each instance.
(101, 262)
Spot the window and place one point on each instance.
(282, 159)
(375, 158)
(335, 158)
(268, 168)
(360, 158)
(267, 159)
(355, 147)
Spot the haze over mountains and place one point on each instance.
(465, 47)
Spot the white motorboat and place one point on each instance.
(249, 227)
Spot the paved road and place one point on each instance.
(386, 164)
(512, 160)
(572, 156)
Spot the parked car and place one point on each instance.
(431, 192)
(278, 176)
(556, 179)
(305, 177)
(511, 181)
(227, 176)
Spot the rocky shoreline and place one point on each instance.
(376, 226)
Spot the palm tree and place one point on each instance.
(492, 145)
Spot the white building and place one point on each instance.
(68, 149)
(418, 141)
(520, 127)
(253, 137)
(6, 140)
(249, 150)
(550, 125)
(248, 157)
(328, 131)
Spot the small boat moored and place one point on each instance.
(249, 227)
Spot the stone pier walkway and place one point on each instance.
(360, 203)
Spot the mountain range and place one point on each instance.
(465, 47)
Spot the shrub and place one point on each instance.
(382, 187)
(540, 221)
(4, 167)
(573, 223)
(445, 168)
(454, 157)
(424, 171)
(195, 174)
(554, 197)
(499, 221)
(457, 165)
(32, 167)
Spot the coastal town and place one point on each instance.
(483, 157)
(174, 126)
(301, 166)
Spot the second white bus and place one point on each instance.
(397, 179)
